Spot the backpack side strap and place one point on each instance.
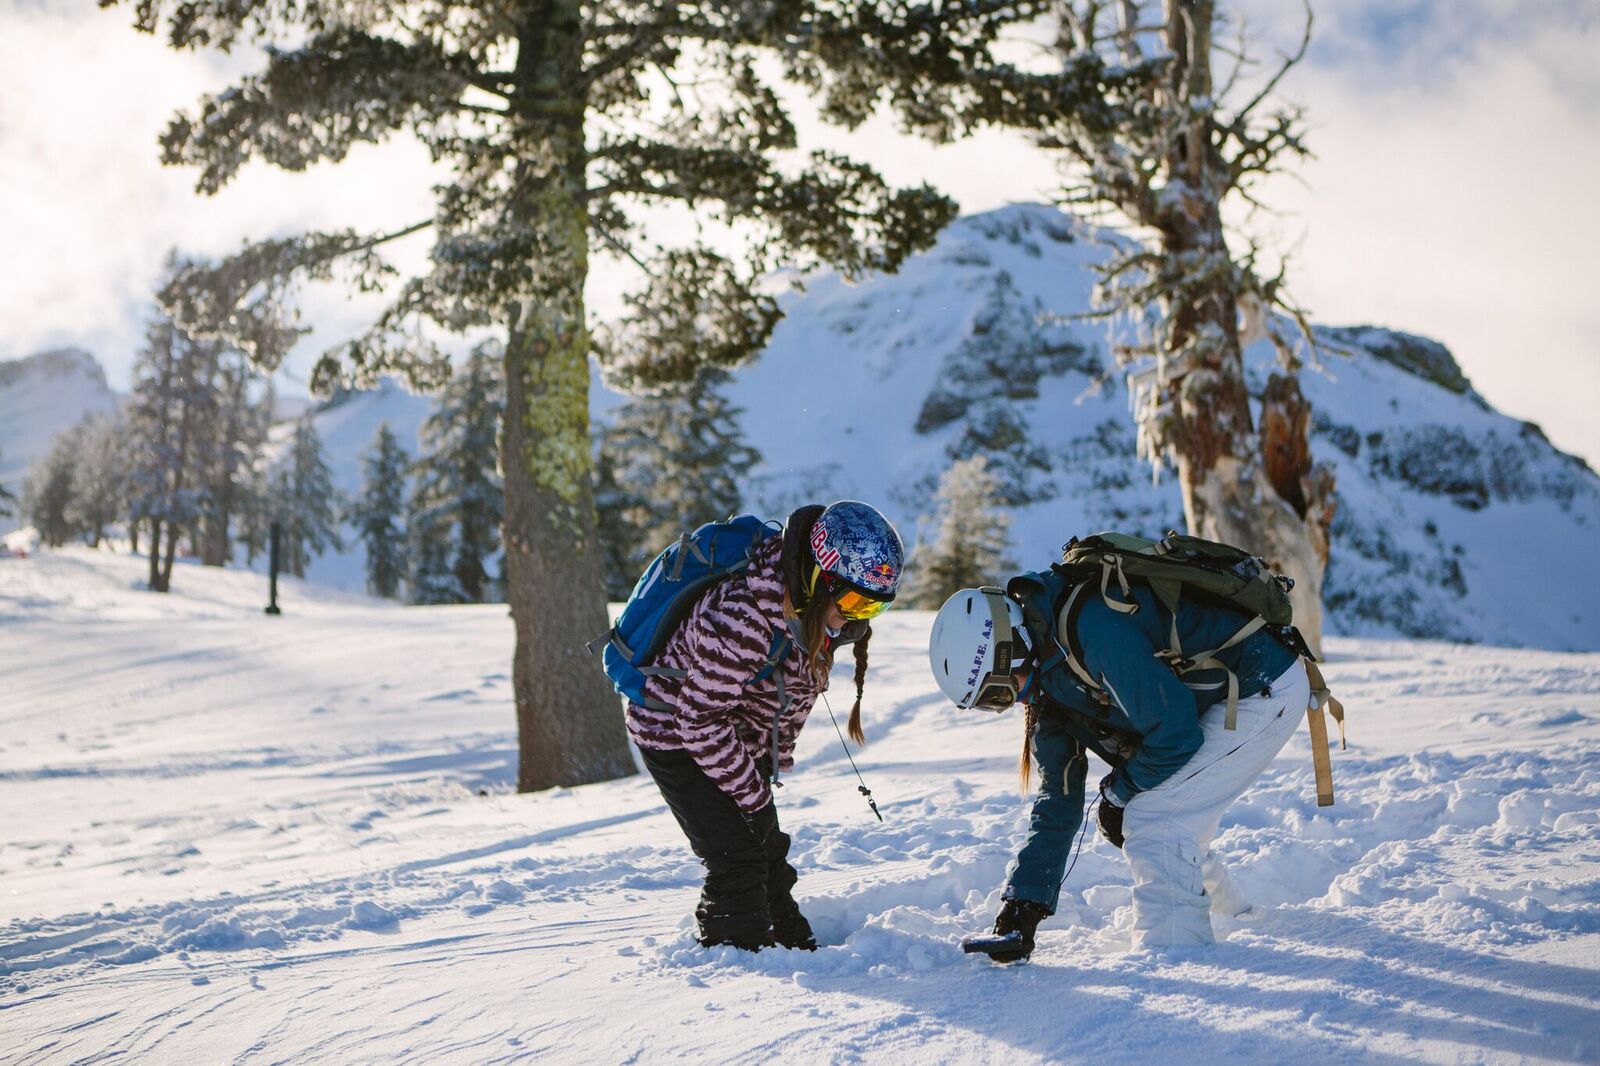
(1207, 660)
(1321, 697)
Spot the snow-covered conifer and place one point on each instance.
(173, 401)
(8, 502)
(303, 500)
(458, 477)
(970, 534)
(47, 494)
(671, 462)
(379, 513)
(100, 488)
(234, 438)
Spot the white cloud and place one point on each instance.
(90, 212)
(1452, 195)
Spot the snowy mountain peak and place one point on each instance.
(40, 396)
(871, 390)
(55, 365)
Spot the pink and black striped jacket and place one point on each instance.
(718, 716)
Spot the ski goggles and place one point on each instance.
(854, 604)
(997, 693)
(858, 607)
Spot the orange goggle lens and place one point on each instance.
(858, 608)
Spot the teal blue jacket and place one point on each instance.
(1151, 727)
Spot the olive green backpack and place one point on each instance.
(1177, 566)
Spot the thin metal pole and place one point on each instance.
(272, 569)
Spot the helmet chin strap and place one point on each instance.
(802, 596)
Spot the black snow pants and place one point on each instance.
(747, 900)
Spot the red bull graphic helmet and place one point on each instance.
(858, 557)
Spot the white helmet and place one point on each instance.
(978, 639)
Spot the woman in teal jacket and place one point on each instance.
(1176, 762)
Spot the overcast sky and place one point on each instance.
(1453, 192)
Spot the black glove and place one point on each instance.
(1022, 917)
(1109, 815)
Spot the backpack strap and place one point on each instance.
(1320, 698)
(1072, 648)
(686, 546)
(781, 640)
(1207, 660)
(1110, 564)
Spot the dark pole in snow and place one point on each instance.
(272, 569)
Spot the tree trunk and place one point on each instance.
(155, 584)
(216, 547)
(1256, 491)
(569, 722)
(172, 551)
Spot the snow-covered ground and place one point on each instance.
(226, 836)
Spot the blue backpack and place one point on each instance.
(667, 590)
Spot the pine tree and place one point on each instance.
(47, 494)
(252, 488)
(458, 476)
(671, 462)
(1150, 138)
(8, 502)
(100, 488)
(971, 534)
(557, 121)
(379, 514)
(429, 548)
(234, 441)
(304, 501)
(173, 400)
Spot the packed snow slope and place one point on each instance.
(226, 836)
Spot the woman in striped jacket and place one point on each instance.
(734, 717)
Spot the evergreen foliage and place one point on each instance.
(379, 513)
(8, 502)
(100, 487)
(557, 122)
(304, 502)
(171, 402)
(429, 547)
(668, 463)
(459, 498)
(234, 441)
(971, 534)
(196, 429)
(47, 494)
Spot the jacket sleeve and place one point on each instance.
(1160, 707)
(1035, 874)
(726, 640)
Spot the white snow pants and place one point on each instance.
(1167, 831)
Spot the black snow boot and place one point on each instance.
(790, 928)
(747, 930)
(1012, 939)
